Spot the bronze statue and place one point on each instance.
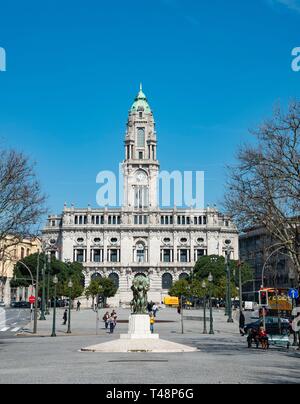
(140, 287)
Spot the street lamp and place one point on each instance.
(70, 286)
(42, 317)
(34, 286)
(36, 304)
(229, 304)
(211, 321)
(55, 281)
(240, 264)
(48, 283)
(204, 308)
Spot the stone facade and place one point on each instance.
(13, 250)
(140, 237)
(255, 247)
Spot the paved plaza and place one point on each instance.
(221, 358)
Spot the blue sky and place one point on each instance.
(211, 71)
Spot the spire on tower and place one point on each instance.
(141, 102)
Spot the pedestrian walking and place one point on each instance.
(115, 321)
(155, 309)
(111, 325)
(106, 319)
(242, 324)
(65, 317)
(78, 305)
(152, 322)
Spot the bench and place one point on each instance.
(279, 340)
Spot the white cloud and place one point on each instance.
(291, 4)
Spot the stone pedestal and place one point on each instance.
(139, 328)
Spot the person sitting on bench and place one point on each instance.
(253, 337)
(263, 338)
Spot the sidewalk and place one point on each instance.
(168, 322)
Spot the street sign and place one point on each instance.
(293, 293)
(32, 300)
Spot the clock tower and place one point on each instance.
(140, 168)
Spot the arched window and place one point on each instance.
(183, 276)
(96, 276)
(115, 278)
(167, 281)
(140, 253)
(141, 137)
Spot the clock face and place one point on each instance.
(141, 177)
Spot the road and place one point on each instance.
(12, 321)
(221, 358)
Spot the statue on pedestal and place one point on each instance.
(140, 288)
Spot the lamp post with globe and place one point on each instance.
(204, 286)
(55, 281)
(229, 304)
(70, 286)
(211, 321)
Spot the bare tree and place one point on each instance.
(264, 187)
(21, 203)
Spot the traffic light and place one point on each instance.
(263, 298)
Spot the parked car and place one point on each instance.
(236, 304)
(271, 325)
(20, 305)
(60, 303)
(2, 304)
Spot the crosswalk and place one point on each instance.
(10, 329)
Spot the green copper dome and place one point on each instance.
(141, 103)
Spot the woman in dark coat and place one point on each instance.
(242, 324)
(65, 317)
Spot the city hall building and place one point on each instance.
(140, 237)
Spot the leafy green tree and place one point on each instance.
(103, 287)
(180, 288)
(21, 276)
(109, 289)
(219, 289)
(197, 290)
(77, 289)
(213, 264)
(65, 272)
(216, 265)
(93, 289)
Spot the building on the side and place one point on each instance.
(12, 250)
(256, 246)
(140, 237)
